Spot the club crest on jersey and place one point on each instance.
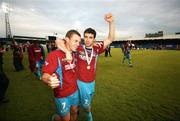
(82, 53)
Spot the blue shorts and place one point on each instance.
(64, 104)
(86, 92)
(128, 56)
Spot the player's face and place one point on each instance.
(88, 39)
(74, 42)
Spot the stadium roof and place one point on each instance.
(3, 39)
(164, 37)
(28, 38)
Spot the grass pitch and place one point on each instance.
(149, 91)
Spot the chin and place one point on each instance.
(88, 45)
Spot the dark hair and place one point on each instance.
(70, 33)
(91, 31)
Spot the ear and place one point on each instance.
(66, 39)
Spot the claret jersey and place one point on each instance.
(66, 72)
(37, 53)
(87, 72)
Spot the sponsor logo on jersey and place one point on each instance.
(70, 66)
(82, 53)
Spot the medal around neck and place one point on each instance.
(89, 59)
(88, 67)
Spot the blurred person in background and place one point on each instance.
(4, 81)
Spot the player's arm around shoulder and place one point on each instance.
(111, 36)
(51, 80)
(60, 43)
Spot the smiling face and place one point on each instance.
(74, 42)
(88, 39)
(73, 39)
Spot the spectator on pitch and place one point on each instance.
(2, 50)
(53, 46)
(60, 74)
(4, 81)
(48, 47)
(17, 56)
(38, 56)
(126, 48)
(24, 47)
(108, 51)
(32, 62)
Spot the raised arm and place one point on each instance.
(111, 36)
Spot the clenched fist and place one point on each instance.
(109, 17)
(54, 81)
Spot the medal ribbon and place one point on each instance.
(87, 57)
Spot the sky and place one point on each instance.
(133, 18)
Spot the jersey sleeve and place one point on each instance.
(50, 64)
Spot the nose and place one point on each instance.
(87, 39)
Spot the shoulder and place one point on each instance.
(80, 48)
(56, 53)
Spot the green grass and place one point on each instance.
(150, 91)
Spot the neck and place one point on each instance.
(90, 47)
(68, 48)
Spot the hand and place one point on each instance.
(68, 56)
(109, 17)
(97, 44)
(54, 81)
